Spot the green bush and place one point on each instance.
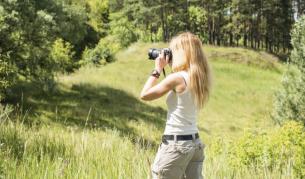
(281, 148)
(103, 52)
(290, 100)
(28, 30)
(62, 55)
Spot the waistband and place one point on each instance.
(180, 137)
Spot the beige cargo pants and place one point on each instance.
(179, 160)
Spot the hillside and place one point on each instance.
(99, 127)
(241, 97)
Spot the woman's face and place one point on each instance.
(177, 56)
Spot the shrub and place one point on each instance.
(28, 30)
(275, 150)
(290, 100)
(103, 52)
(62, 55)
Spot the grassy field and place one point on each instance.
(95, 126)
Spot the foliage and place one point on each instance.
(198, 21)
(272, 150)
(71, 20)
(29, 29)
(7, 76)
(256, 24)
(290, 100)
(122, 29)
(62, 55)
(103, 52)
(98, 16)
(41, 38)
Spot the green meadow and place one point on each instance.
(94, 125)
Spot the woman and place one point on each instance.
(180, 155)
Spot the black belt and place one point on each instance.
(179, 137)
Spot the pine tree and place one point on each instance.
(290, 101)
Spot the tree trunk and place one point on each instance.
(187, 28)
(163, 21)
(231, 39)
(245, 39)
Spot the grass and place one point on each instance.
(95, 126)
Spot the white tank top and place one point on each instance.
(182, 112)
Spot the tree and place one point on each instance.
(29, 28)
(250, 23)
(290, 100)
(300, 7)
(198, 21)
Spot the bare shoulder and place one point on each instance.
(175, 79)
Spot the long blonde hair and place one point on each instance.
(192, 59)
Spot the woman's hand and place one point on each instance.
(151, 89)
(161, 61)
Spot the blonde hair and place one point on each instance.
(192, 59)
